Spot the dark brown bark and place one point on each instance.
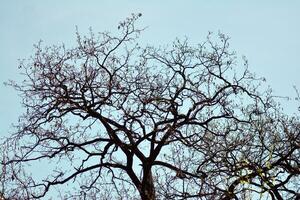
(147, 190)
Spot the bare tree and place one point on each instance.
(109, 119)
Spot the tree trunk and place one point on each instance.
(147, 191)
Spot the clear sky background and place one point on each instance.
(265, 31)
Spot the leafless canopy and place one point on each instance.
(109, 119)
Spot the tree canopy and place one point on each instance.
(112, 119)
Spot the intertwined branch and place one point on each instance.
(117, 120)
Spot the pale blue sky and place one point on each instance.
(267, 32)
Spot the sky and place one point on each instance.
(266, 32)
